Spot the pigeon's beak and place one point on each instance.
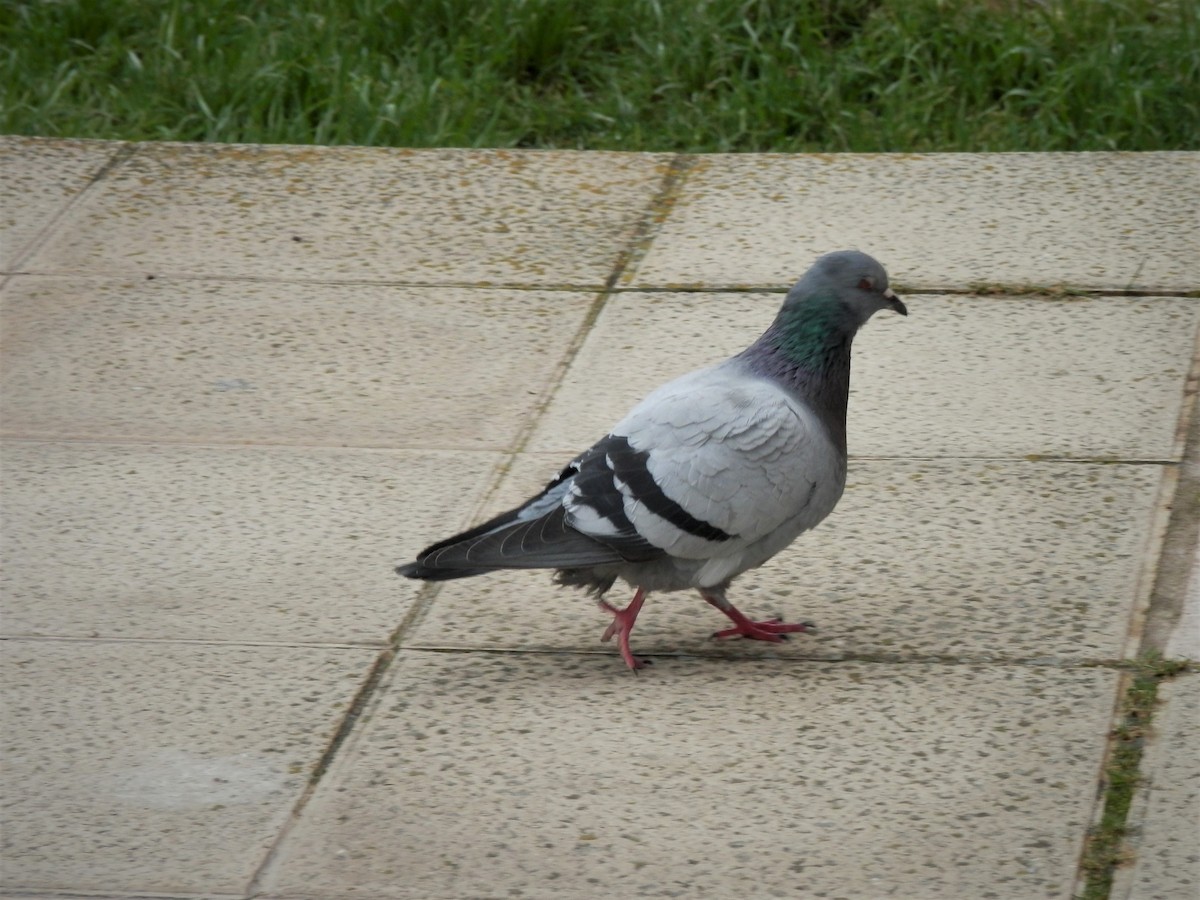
(894, 302)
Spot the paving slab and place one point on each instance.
(554, 776)
(149, 767)
(1165, 819)
(364, 365)
(427, 216)
(38, 179)
(922, 558)
(220, 543)
(1080, 377)
(1115, 221)
(1184, 642)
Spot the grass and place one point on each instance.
(1105, 850)
(684, 75)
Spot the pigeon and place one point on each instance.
(710, 475)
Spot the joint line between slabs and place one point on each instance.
(657, 211)
(1105, 847)
(362, 698)
(235, 444)
(1016, 293)
(124, 151)
(166, 276)
(1121, 666)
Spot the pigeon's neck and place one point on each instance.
(807, 350)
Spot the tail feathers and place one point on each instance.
(424, 573)
(510, 542)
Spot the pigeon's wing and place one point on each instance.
(718, 460)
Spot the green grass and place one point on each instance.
(721, 75)
(1106, 849)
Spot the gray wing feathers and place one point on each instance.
(734, 451)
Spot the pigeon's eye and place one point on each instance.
(865, 284)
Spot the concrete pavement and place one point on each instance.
(240, 383)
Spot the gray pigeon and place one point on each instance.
(712, 474)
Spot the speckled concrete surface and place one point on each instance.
(160, 766)
(539, 775)
(240, 383)
(38, 181)
(360, 365)
(1184, 643)
(220, 543)
(441, 216)
(945, 220)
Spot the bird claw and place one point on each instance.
(621, 626)
(773, 630)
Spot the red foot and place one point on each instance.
(773, 630)
(622, 625)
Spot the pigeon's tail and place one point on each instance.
(510, 541)
(426, 573)
(533, 536)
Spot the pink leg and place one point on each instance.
(622, 624)
(770, 630)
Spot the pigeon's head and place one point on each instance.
(853, 280)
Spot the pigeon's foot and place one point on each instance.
(774, 630)
(622, 625)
